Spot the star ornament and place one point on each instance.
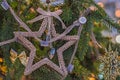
(21, 37)
(111, 63)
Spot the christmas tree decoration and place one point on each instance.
(48, 38)
(82, 20)
(52, 53)
(22, 57)
(5, 5)
(44, 43)
(47, 21)
(3, 69)
(46, 16)
(111, 64)
(20, 37)
(60, 43)
(117, 38)
(70, 68)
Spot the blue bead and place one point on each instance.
(48, 38)
(5, 5)
(52, 51)
(44, 43)
(70, 68)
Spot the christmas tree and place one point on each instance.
(54, 39)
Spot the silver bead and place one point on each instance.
(117, 39)
(82, 20)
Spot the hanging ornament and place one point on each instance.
(21, 37)
(5, 5)
(111, 64)
(22, 57)
(44, 43)
(48, 38)
(70, 68)
(52, 53)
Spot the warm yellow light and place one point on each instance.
(56, 8)
(93, 8)
(90, 43)
(117, 13)
(91, 78)
(32, 10)
(3, 69)
(101, 4)
(1, 59)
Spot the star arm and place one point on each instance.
(49, 63)
(7, 42)
(43, 26)
(40, 17)
(58, 12)
(22, 24)
(27, 44)
(56, 16)
(68, 37)
(42, 12)
(65, 32)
